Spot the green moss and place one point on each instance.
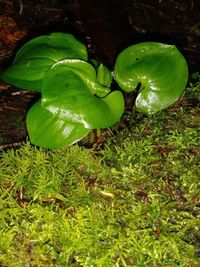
(134, 202)
(193, 89)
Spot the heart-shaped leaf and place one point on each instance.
(82, 69)
(161, 70)
(71, 89)
(36, 56)
(73, 102)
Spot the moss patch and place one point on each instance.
(133, 202)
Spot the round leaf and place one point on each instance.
(47, 129)
(69, 109)
(161, 70)
(73, 48)
(68, 91)
(82, 69)
(36, 56)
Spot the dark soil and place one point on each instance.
(106, 27)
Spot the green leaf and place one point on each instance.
(72, 47)
(28, 74)
(71, 89)
(47, 129)
(82, 69)
(104, 75)
(36, 56)
(69, 109)
(161, 70)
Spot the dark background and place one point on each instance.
(105, 26)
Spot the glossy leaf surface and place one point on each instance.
(57, 40)
(74, 102)
(71, 88)
(161, 70)
(36, 56)
(82, 69)
(104, 75)
(46, 129)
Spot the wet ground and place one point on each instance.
(106, 27)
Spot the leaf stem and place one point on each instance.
(132, 116)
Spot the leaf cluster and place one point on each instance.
(76, 94)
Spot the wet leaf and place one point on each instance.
(38, 55)
(161, 70)
(47, 129)
(73, 102)
(104, 75)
